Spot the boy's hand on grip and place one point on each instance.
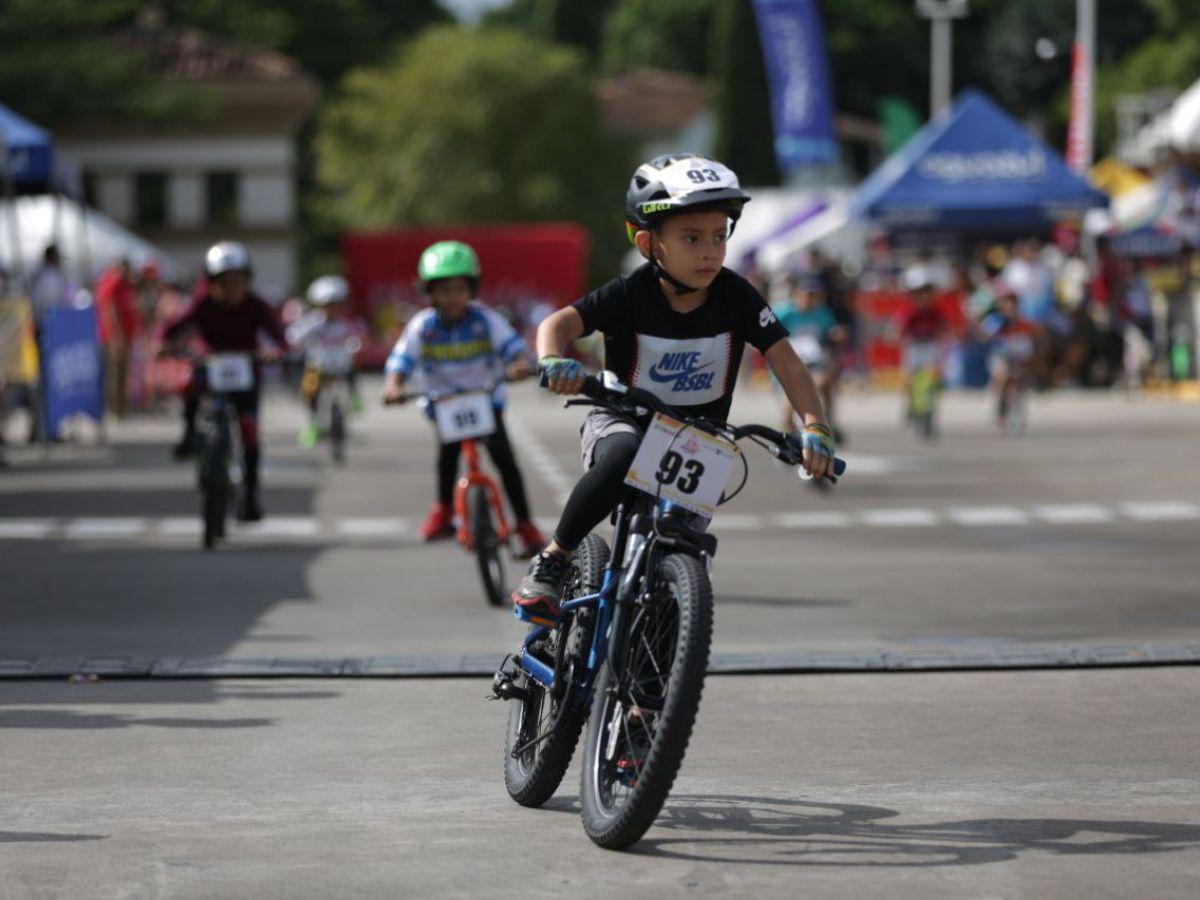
(819, 450)
(561, 375)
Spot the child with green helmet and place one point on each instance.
(460, 344)
(675, 327)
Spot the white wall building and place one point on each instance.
(228, 175)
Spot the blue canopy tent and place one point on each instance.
(974, 169)
(26, 154)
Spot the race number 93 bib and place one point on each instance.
(690, 469)
(464, 416)
(230, 372)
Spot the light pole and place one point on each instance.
(940, 13)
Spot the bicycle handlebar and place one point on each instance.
(784, 447)
(434, 397)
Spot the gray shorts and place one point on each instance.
(600, 423)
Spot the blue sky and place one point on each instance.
(470, 10)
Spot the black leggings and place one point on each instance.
(502, 455)
(599, 490)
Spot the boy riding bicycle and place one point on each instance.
(228, 316)
(460, 344)
(817, 339)
(675, 327)
(329, 335)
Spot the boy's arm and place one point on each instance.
(557, 330)
(796, 382)
(401, 362)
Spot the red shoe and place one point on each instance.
(439, 523)
(532, 540)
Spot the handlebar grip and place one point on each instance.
(839, 465)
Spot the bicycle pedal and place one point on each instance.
(525, 616)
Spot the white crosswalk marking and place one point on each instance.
(180, 526)
(114, 527)
(281, 526)
(1161, 511)
(823, 519)
(26, 528)
(1072, 513)
(899, 518)
(738, 522)
(368, 528)
(988, 515)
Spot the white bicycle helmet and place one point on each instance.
(328, 289)
(227, 256)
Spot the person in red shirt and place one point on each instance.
(228, 317)
(923, 329)
(120, 322)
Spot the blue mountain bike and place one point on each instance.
(630, 652)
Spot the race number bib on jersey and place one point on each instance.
(689, 468)
(230, 372)
(464, 416)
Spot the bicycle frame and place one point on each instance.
(476, 476)
(614, 596)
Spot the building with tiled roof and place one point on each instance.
(229, 175)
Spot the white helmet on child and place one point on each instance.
(227, 256)
(328, 289)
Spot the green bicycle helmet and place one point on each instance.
(448, 259)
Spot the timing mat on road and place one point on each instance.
(967, 656)
(372, 529)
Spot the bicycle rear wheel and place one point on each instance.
(534, 774)
(486, 543)
(337, 431)
(642, 718)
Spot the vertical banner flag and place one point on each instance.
(71, 366)
(793, 43)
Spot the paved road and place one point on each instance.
(1043, 785)
(1083, 531)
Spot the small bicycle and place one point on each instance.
(630, 652)
(468, 416)
(216, 429)
(328, 370)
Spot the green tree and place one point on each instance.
(745, 138)
(659, 34)
(572, 22)
(466, 127)
(60, 64)
(327, 37)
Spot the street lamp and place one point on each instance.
(940, 13)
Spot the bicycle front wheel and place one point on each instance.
(214, 480)
(536, 756)
(487, 544)
(642, 718)
(337, 431)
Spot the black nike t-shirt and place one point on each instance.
(689, 360)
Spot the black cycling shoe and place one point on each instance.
(249, 509)
(187, 446)
(536, 598)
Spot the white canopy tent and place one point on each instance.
(87, 240)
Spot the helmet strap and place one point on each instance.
(659, 271)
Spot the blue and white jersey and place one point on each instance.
(467, 355)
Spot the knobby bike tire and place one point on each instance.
(337, 432)
(684, 581)
(486, 544)
(533, 778)
(215, 488)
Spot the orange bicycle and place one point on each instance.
(466, 417)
